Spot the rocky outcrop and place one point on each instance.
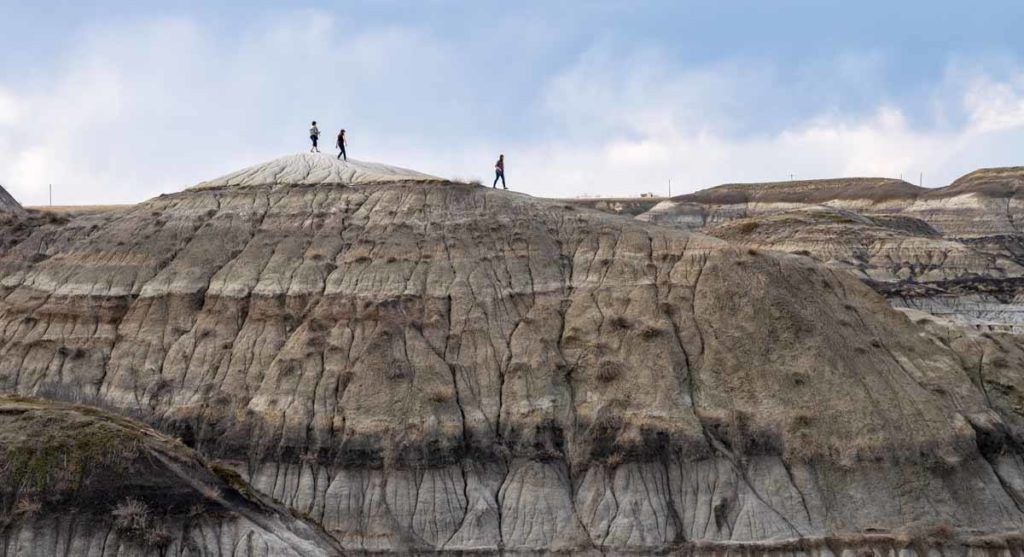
(9, 207)
(632, 206)
(955, 251)
(316, 170)
(78, 481)
(423, 365)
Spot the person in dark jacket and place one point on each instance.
(499, 172)
(341, 145)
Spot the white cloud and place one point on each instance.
(652, 126)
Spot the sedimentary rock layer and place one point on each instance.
(956, 251)
(436, 366)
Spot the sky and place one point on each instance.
(119, 101)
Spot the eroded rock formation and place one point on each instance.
(955, 251)
(422, 365)
(9, 207)
(77, 481)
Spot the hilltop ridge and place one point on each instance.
(316, 169)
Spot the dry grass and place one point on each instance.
(397, 371)
(131, 516)
(621, 323)
(27, 506)
(440, 395)
(609, 370)
(747, 227)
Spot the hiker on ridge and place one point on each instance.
(499, 172)
(314, 135)
(341, 145)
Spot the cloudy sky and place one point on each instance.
(119, 101)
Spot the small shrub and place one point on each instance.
(316, 342)
(71, 353)
(747, 227)
(396, 371)
(650, 332)
(289, 368)
(131, 516)
(27, 507)
(440, 395)
(157, 536)
(609, 370)
(942, 531)
(620, 322)
(211, 492)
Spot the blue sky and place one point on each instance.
(120, 101)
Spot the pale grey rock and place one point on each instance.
(315, 169)
(425, 366)
(9, 207)
(958, 249)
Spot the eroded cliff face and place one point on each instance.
(955, 251)
(421, 365)
(9, 206)
(78, 481)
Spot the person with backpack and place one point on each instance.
(499, 172)
(341, 145)
(314, 135)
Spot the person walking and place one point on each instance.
(499, 172)
(314, 136)
(341, 145)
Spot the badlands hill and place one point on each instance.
(955, 251)
(412, 364)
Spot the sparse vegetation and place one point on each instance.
(609, 370)
(440, 395)
(650, 332)
(27, 506)
(131, 517)
(398, 370)
(134, 520)
(747, 227)
(621, 323)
